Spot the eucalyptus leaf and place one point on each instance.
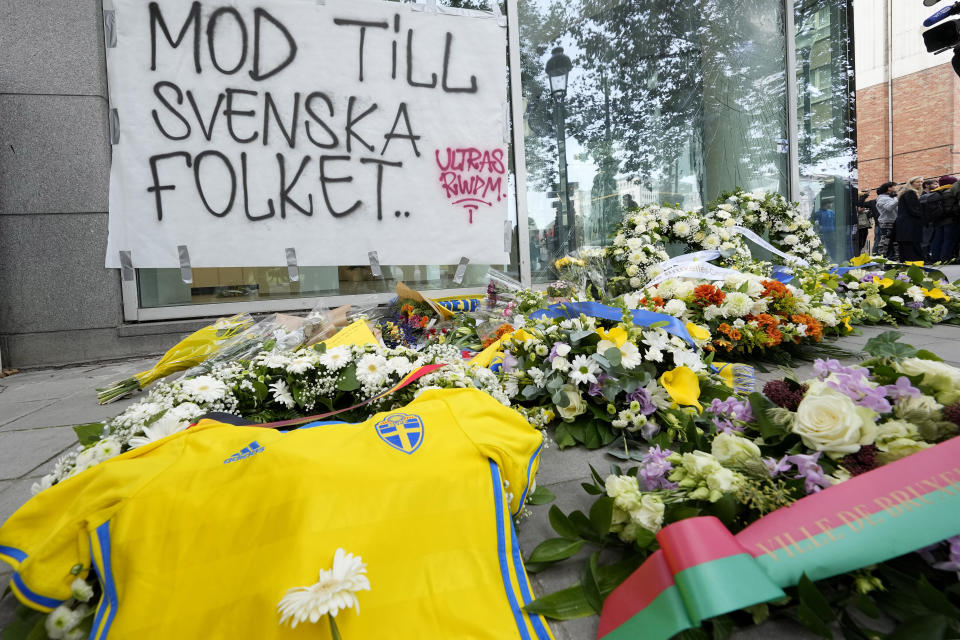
(555, 549)
(614, 356)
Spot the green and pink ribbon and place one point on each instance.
(702, 570)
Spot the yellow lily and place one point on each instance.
(683, 386)
(697, 332)
(883, 282)
(935, 293)
(863, 258)
(617, 335)
(915, 263)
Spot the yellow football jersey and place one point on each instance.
(200, 535)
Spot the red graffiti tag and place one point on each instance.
(471, 177)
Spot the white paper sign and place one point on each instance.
(335, 128)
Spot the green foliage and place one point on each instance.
(886, 345)
(89, 433)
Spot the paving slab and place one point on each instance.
(21, 452)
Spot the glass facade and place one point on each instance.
(628, 102)
(665, 102)
(827, 140)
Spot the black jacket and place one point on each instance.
(909, 224)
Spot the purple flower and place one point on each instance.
(553, 351)
(812, 473)
(953, 564)
(824, 368)
(646, 404)
(509, 362)
(649, 430)
(869, 277)
(902, 277)
(857, 388)
(915, 305)
(901, 389)
(656, 468)
(596, 388)
(726, 414)
(776, 467)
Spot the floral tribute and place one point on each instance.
(748, 314)
(335, 589)
(743, 457)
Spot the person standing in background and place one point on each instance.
(866, 213)
(825, 220)
(929, 186)
(909, 227)
(943, 244)
(884, 244)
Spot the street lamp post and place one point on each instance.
(558, 68)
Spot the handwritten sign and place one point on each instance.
(336, 128)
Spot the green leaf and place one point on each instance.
(923, 354)
(584, 526)
(260, 391)
(722, 628)
(560, 399)
(592, 489)
(935, 600)
(645, 538)
(530, 392)
(348, 379)
(563, 436)
(555, 549)
(772, 433)
(759, 612)
(885, 345)
(601, 515)
(590, 583)
(39, 631)
(808, 618)
(561, 524)
(596, 475)
(25, 622)
(541, 495)
(866, 605)
(812, 598)
(928, 627)
(568, 604)
(592, 439)
(88, 433)
(577, 336)
(614, 356)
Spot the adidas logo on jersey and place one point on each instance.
(250, 450)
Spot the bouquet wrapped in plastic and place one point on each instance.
(189, 352)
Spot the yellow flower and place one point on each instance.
(698, 332)
(863, 258)
(846, 323)
(617, 335)
(883, 282)
(683, 386)
(935, 293)
(915, 263)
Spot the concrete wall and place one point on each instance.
(58, 304)
(909, 54)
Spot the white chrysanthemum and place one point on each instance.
(790, 239)
(44, 483)
(80, 590)
(636, 257)
(681, 228)
(281, 393)
(737, 305)
(675, 308)
(60, 621)
(712, 241)
(334, 590)
(204, 388)
(372, 369)
(335, 358)
(107, 448)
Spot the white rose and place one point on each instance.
(562, 349)
(829, 421)
(730, 449)
(576, 405)
(633, 270)
(649, 514)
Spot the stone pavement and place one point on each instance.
(38, 409)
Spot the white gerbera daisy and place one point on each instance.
(281, 393)
(167, 425)
(372, 369)
(334, 590)
(204, 388)
(335, 358)
(584, 370)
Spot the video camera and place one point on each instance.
(944, 36)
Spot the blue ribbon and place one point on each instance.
(782, 274)
(842, 270)
(641, 317)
